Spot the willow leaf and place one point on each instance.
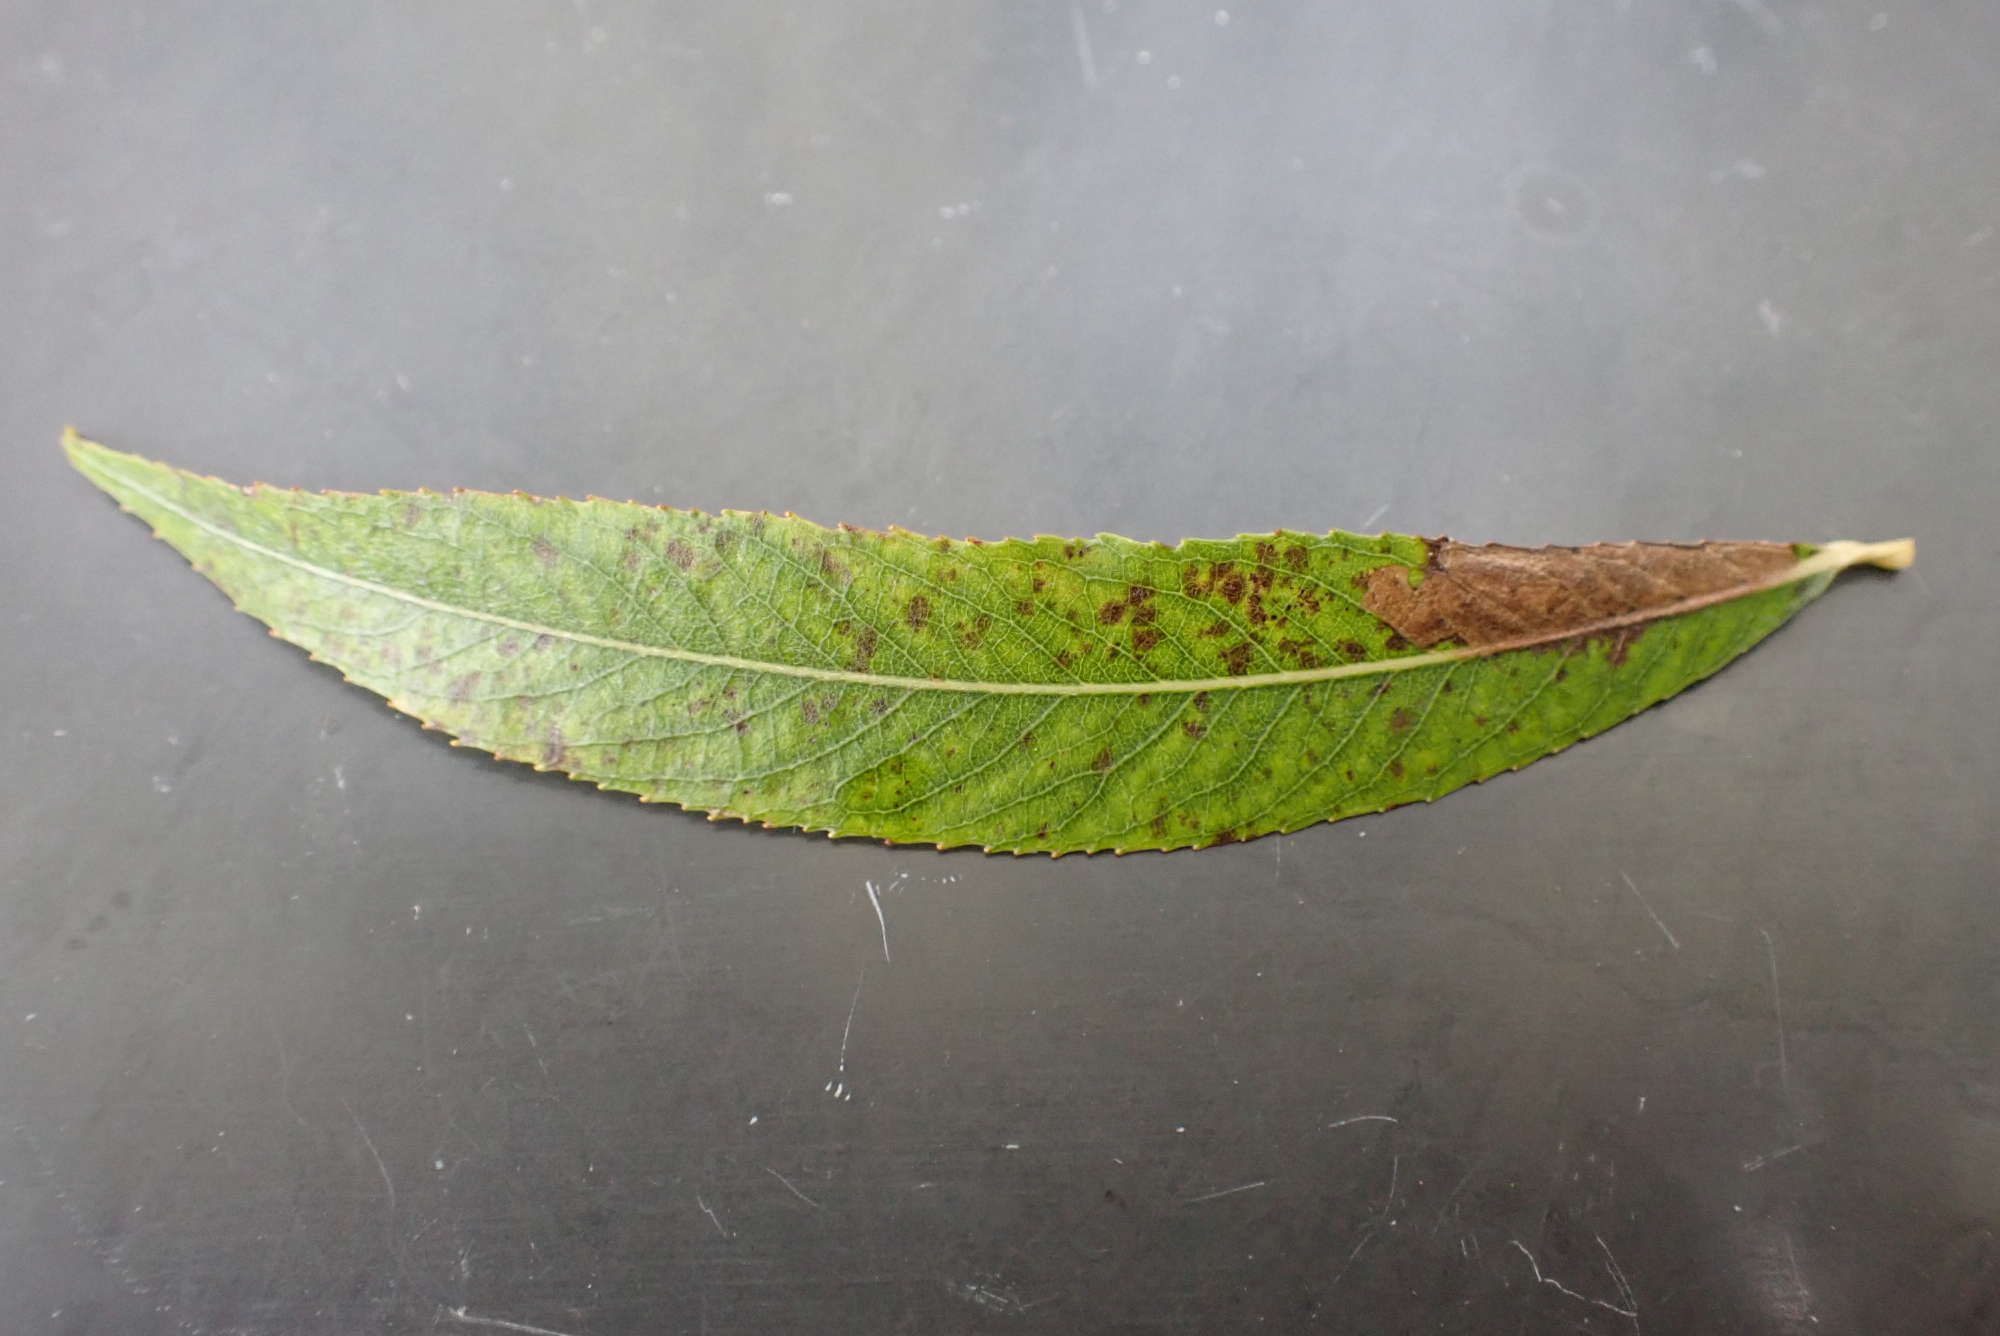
(1051, 694)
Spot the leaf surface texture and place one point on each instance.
(1026, 695)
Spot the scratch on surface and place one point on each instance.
(876, 901)
(1618, 1274)
(1561, 1288)
(1375, 514)
(1756, 1162)
(1227, 1192)
(714, 1219)
(368, 1141)
(1362, 1118)
(1366, 1235)
(1086, 60)
(537, 1050)
(848, 1029)
(793, 1190)
(1672, 940)
(1395, 1169)
(500, 1323)
(1805, 1295)
(1777, 1013)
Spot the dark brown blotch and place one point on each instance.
(917, 612)
(682, 555)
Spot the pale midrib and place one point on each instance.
(1833, 557)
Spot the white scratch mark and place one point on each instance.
(1672, 940)
(1773, 318)
(791, 1189)
(876, 901)
(1362, 1118)
(848, 1029)
(537, 1050)
(1762, 13)
(340, 779)
(1376, 514)
(1561, 1288)
(368, 1141)
(714, 1219)
(1086, 60)
(1805, 1295)
(1395, 1168)
(1778, 1013)
(1756, 1162)
(500, 1323)
(1618, 1275)
(1366, 1235)
(1227, 1192)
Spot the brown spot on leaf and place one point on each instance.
(1396, 767)
(1201, 701)
(1295, 557)
(810, 709)
(1194, 728)
(864, 648)
(1111, 614)
(553, 746)
(917, 612)
(542, 641)
(1144, 639)
(1138, 594)
(833, 568)
(682, 555)
(546, 553)
(1254, 610)
(1353, 649)
(1491, 596)
(1224, 837)
(1024, 608)
(1102, 761)
(1236, 659)
(1158, 825)
(1401, 720)
(461, 687)
(1232, 586)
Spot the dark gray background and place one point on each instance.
(309, 1023)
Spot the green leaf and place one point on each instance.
(1051, 694)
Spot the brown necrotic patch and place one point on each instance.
(1496, 597)
(917, 612)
